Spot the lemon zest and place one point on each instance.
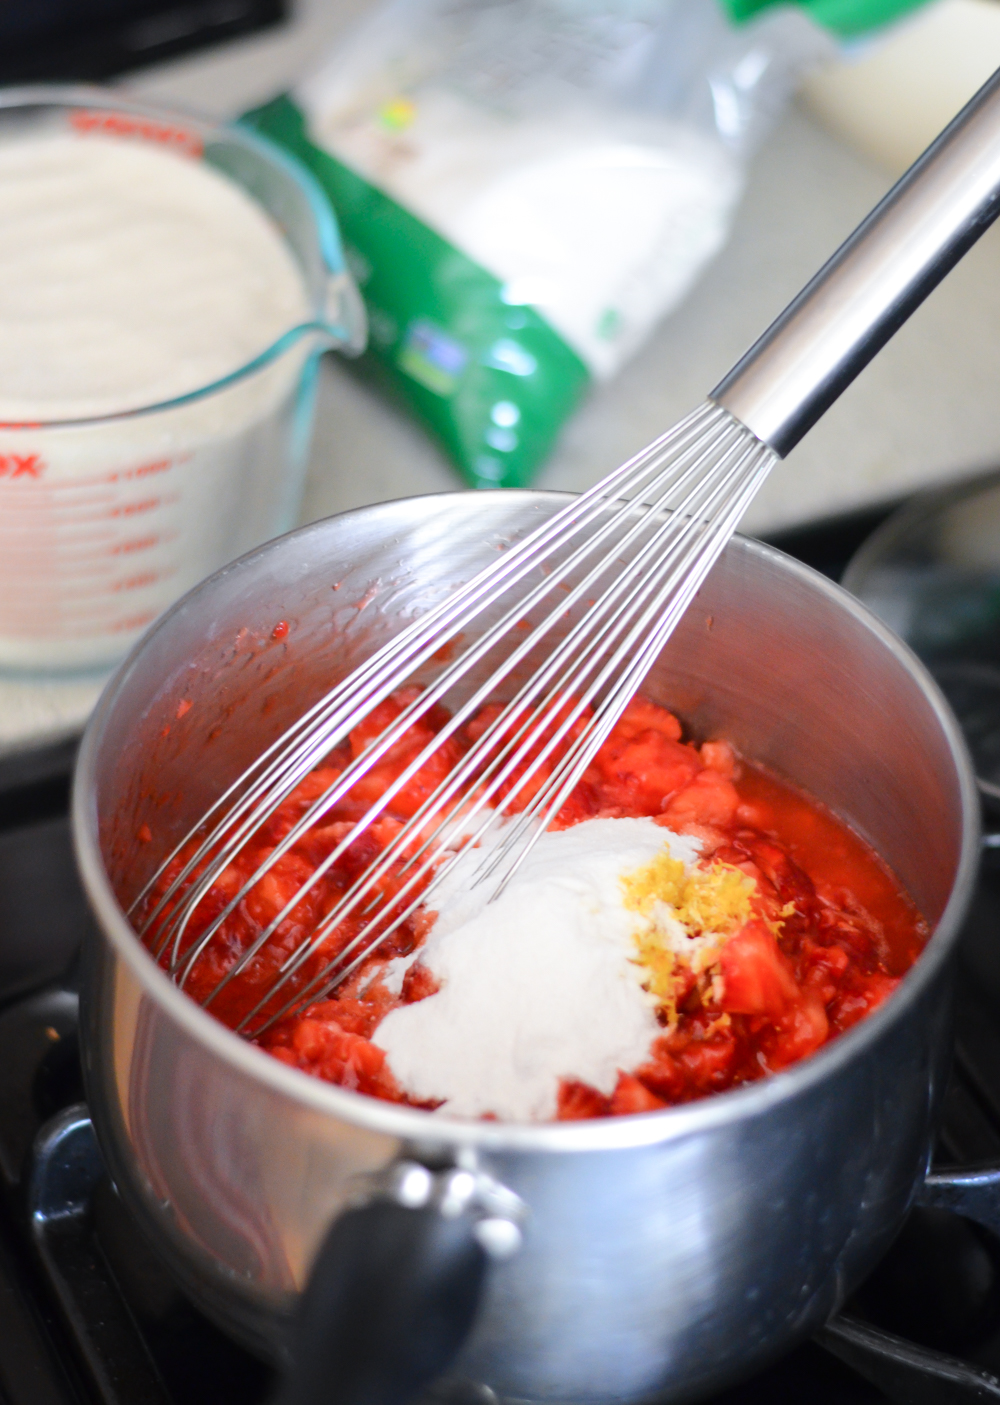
(660, 962)
(710, 903)
(715, 899)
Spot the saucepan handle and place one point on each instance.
(905, 1372)
(972, 1191)
(395, 1287)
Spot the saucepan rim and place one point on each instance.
(413, 1125)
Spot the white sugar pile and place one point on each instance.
(129, 274)
(539, 985)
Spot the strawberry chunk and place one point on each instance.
(708, 799)
(632, 1096)
(578, 1101)
(757, 978)
(800, 1031)
(642, 771)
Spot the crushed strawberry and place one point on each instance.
(829, 936)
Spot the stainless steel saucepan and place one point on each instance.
(663, 1254)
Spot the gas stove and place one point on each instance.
(88, 1316)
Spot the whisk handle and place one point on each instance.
(876, 279)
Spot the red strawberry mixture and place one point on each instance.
(825, 938)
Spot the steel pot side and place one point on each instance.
(665, 1253)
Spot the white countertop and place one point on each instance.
(926, 411)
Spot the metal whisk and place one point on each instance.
(586, 604)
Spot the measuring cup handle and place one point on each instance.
(345, 318)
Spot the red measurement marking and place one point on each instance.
(120, 124)
(98, 481)
(137, 582)
(134, 622)
(130, 508)
(280, 630)
(21, 466)
(136, 544)
(20, 424)
(142, 471)
(145, 469)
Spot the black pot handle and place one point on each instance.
(906, 1373)
(395, 1287)
(972, 1191)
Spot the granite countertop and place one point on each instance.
(926, 411)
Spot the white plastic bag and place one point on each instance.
(587, 155)
(527, 186)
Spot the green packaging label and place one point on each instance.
(492, 380)
(844, 17)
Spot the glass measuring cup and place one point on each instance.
(105, 521)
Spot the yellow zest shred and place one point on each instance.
(714, 899)
(660, 880)
(660, 962)
(775, 926)
(710, 903)
(722, 1021)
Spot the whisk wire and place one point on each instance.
(457, 777)
(567, 775)
(677, 503)
(303, 759)
(652, 601)
(751, 463)
(339, 716)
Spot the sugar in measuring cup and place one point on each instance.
(157, 392)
